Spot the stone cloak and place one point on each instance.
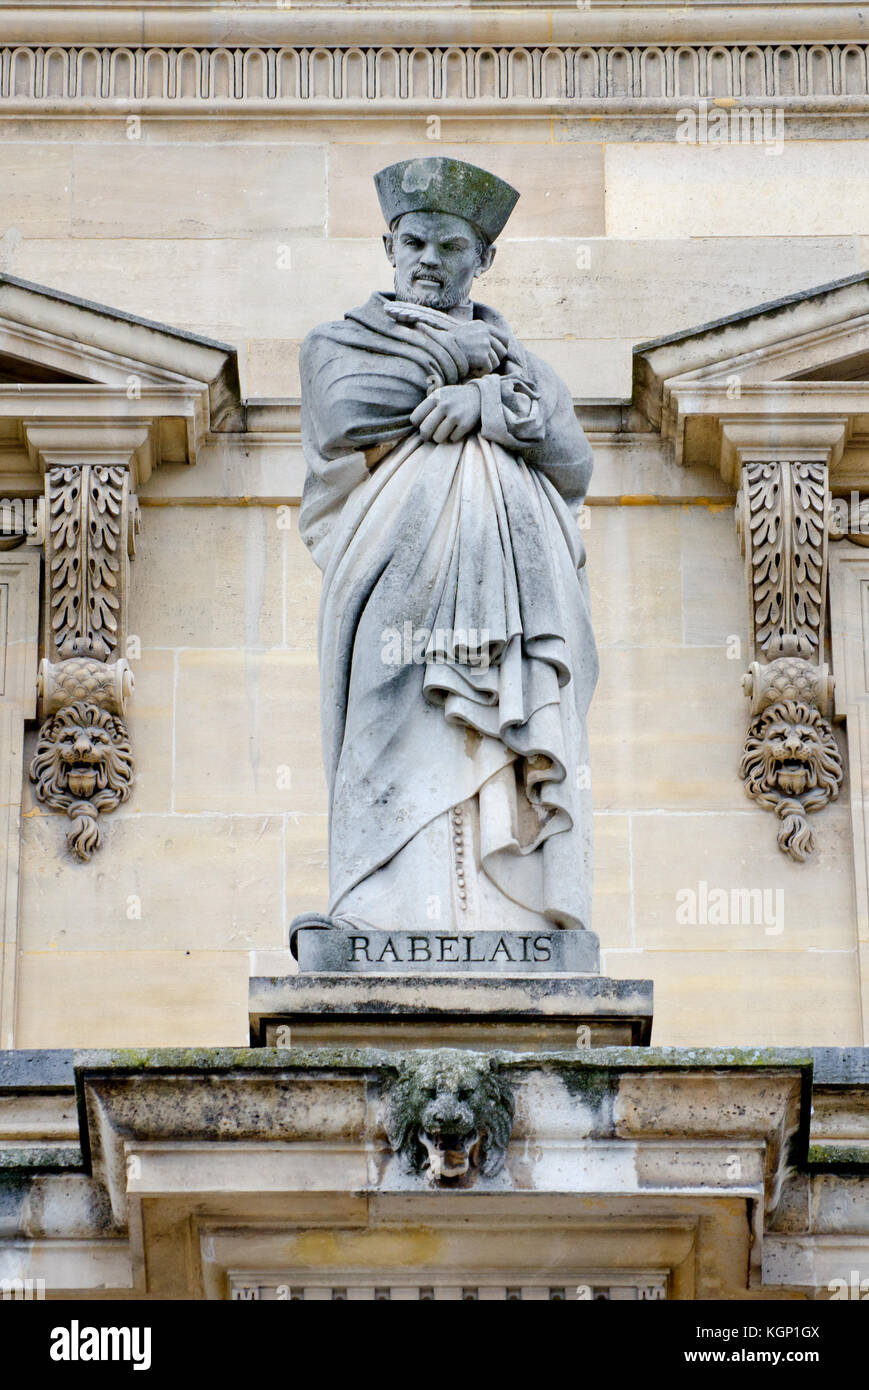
(476, 540)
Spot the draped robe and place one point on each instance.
(456, 653)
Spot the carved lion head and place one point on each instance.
(448, 1112)
(792, 765)
(84, 766)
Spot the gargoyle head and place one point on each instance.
(84, 766)
(450, 1112)
(792, 765)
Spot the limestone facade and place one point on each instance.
(187, 192)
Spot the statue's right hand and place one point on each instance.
(448, 414)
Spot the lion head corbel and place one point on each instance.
(791, 764)
(83, 766)
(449, 1114)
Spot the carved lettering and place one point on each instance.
(473, 960)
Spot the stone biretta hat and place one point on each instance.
(439, 184)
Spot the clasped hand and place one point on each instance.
(476, 347)
(448, 414)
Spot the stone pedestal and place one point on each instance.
(533, 1013)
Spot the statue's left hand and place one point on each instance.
(448, 414)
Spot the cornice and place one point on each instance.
(283, 22)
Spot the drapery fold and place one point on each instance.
(463, 550)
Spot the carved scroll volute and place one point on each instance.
(83, 764)
(791, 763)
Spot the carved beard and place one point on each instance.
(446, 297)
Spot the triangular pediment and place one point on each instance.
(19, 369)
(788, 362)
(854, 368)
(65, 358)
(49, 337)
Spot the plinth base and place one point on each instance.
(487, 1013)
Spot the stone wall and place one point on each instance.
(250, 226)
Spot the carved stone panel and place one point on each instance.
(90, 531)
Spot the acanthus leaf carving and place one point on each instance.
(784, 528)
(86, 508)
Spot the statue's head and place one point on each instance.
(436, 258)
(443, 216)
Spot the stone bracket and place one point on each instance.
(83, 765)
(791, 763)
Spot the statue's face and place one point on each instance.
(436, 257)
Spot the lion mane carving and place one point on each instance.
(84, 766)
(449, 1112)
(792, 766)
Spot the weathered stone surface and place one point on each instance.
(231, 592)
(233, 865)
(276, 189)
(394, 1011)
(648, 1160)
(247, 730)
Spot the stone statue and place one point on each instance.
(445, 472)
